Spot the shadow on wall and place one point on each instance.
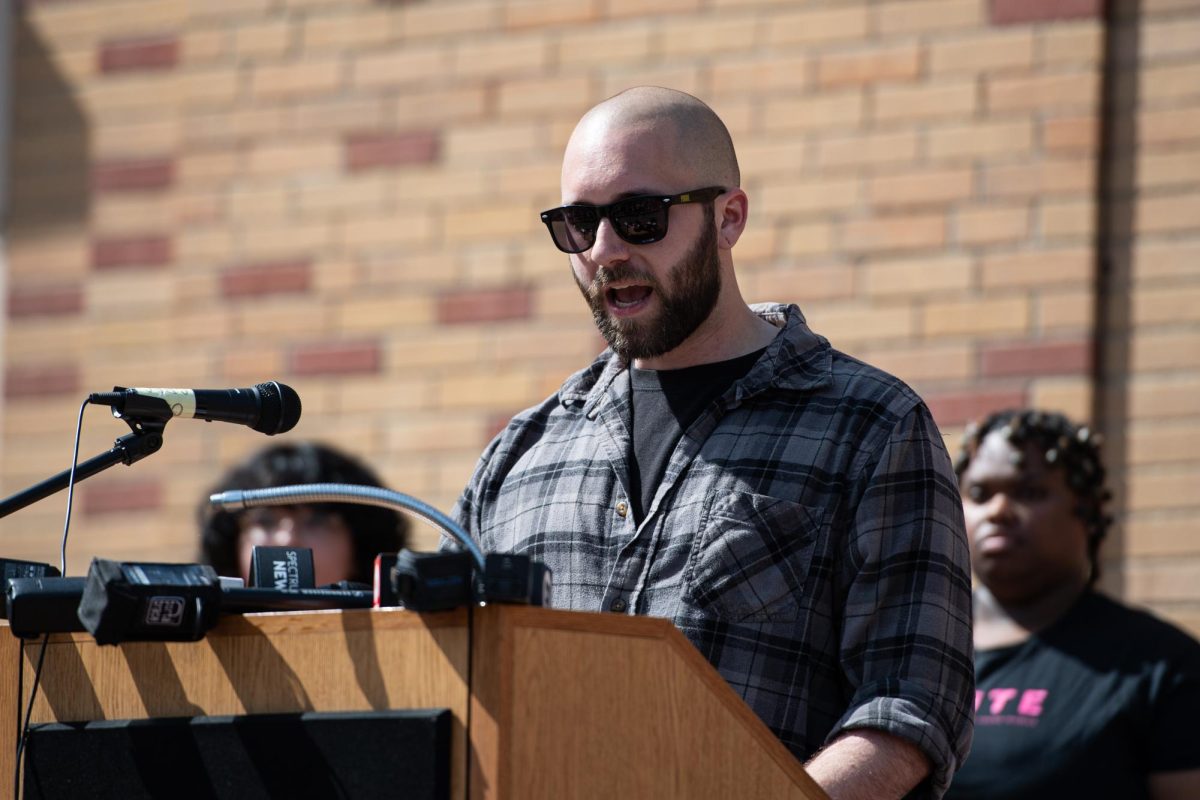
(48, 151)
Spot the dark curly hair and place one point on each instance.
(1063, 443)
(375, 530)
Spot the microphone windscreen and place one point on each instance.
(280, 408)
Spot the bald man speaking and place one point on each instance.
(791, 509)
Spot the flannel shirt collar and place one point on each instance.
(796, 360)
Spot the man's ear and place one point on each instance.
(734, 212)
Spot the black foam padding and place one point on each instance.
(369, 754)
(279, 410)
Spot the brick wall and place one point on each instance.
(343, 196)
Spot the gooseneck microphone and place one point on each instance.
(269, 408)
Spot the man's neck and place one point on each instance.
(726, 334)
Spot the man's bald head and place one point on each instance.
(694, 136)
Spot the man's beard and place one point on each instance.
(697, 285)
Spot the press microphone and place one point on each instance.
(269, 408)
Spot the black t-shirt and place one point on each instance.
(665, 403)
(1086, 708)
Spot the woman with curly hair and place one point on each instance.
(344, 538)
(1077, 695)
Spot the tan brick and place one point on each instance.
(1071, 134)
(425, 433)
(217, 86)
(1165, 397)
(1035, 268)
(848, 326)
(484, 144)
(205, 45)
(1168, 126)
(1164, 443)
(1159, 535)
(1071, 396)
(758, 242)
(807, 239)
(926, 101)
(811, 196)
(509, 55)
(1168, 169)
(925, 16)
(259, 203)
(266, 39)
(626, 43)
(268, 240)
(998, 51)
(541, 95)
(708, 35)
(894, 232)
(383, 314)
(136, 137)
(108, 294)
(818, 26)
(414, 63)
(387, 230)
(282, 319)
(771, 157)
(512, 389)
(1177, 212)
(927, 363)
(1171, 37)
(295, 79)
(542, 13)
(1166, 305)
(1164, 351)
(867, 149)
(290, 158)
(1065, 310)
(139, 93)
(1068, 219)
(1073, 175)
(991, 224)
(221, 128)
(118, 18)
(422, 22)
(979, 140)
(349, 30)
(1167, 260)
(816, 112)
(1071, 44)
(1162, 488)
(924, 187)
(761, 74)
(121, 215)
(801, 284)
(920, 276)
(1002, 315)
(1057, 92)
(893, 63)
(204, 243)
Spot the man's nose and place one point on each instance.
(608, 247)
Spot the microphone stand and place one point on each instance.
(145, 440)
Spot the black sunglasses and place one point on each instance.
(637, 220)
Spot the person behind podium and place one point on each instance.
(1078, 695)
(791, 509)
(344, 538)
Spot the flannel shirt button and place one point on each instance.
(618, 606)
(622, 509)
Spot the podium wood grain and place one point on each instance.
(571, 705)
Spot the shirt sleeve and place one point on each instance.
(906, 642)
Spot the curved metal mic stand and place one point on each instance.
(310, 493)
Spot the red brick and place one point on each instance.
(336, 358)
(1016, 12)
(1036, 358)
(132, 251)
(45, 301)
(365, 150)
(958, 408)
(133, 175)
(40, 380)
(113, 497)
(142, 53)
(274, 277)
(485, 305)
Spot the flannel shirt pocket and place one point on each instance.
(751, 558)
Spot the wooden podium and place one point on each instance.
(545, 704)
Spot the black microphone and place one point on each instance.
(269, 408)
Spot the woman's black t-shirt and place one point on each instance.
(1087, 708)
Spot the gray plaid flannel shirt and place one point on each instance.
(807, 537)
